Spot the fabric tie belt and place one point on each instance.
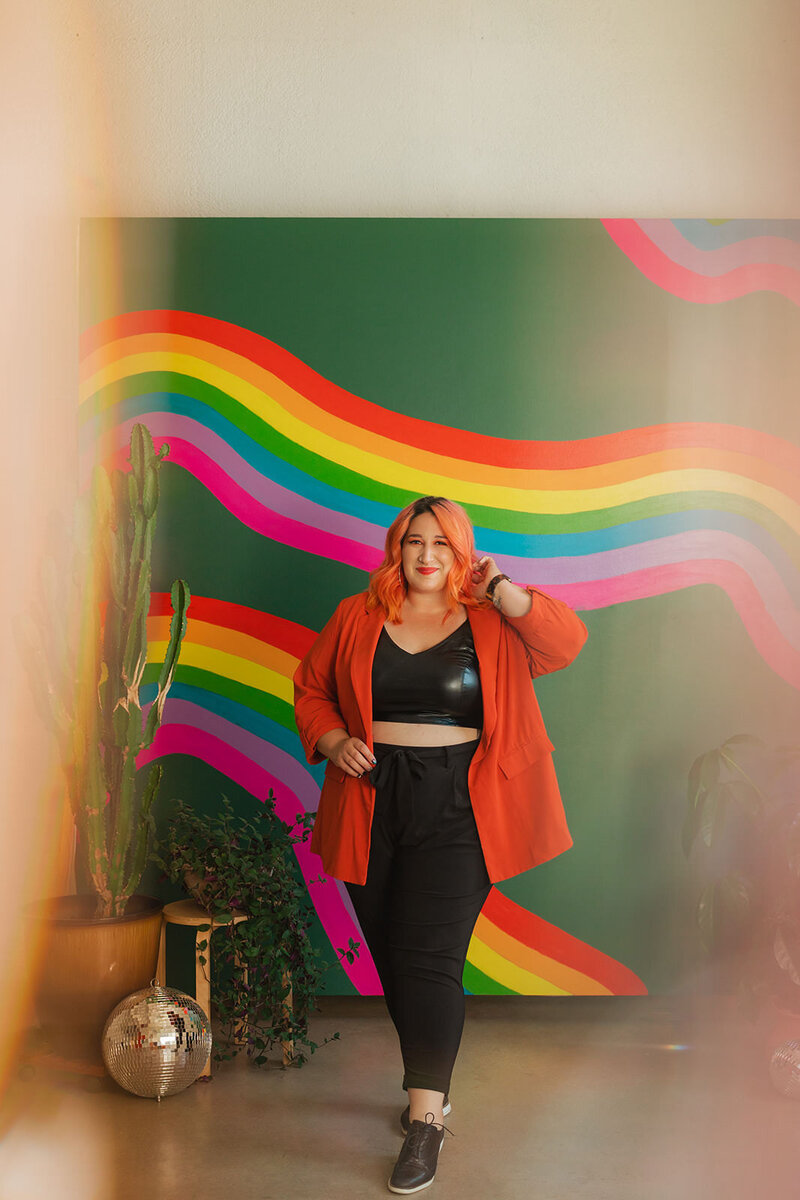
(416, 781)
(397, 769)
(398, 775)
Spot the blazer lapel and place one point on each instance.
(486, 636)
(368, 628)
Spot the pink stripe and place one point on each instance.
(655, 581)
(688, 285)
(336, 921)
(263, 520)
(750, 252)
(776, 649)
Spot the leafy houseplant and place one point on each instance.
(743, 827)
(91, 647)
(233, 863)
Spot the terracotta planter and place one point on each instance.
(89, 964)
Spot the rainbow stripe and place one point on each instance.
(597, 521)
(699, 262)
(288, 453)
(231, 707)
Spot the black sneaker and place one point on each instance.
(415, 1168)
(405, 1115)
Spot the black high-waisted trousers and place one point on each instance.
(426, 884)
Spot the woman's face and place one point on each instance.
(426, 555)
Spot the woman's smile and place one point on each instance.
(426, 552)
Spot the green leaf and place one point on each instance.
(709, 769)
(694, 781)
(691, 826)
(786, 947)
(724, 912)
(711, 814)
(744, 794)
(744, 739)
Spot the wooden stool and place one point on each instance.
(189, 912)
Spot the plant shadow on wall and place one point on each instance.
(233, 864)
(742, 834)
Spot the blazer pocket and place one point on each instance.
(517, 760)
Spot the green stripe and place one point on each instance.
(253, 698)
(353, 483)
(255, 427)
(483, 985)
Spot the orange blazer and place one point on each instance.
(512, 781)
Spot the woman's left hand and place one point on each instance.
(483, 572)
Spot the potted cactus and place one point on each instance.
(90, 652)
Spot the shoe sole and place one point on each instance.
(408, 1191)
(420, 1186)
(448, 1108)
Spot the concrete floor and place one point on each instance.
(559, 1099)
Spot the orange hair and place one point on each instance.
(387, 584)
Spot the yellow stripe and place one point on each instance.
(425, 482)
(229, 641)
(509, 974)
(306, 410)
(575, 982)
(229, 666)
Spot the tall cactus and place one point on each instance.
(98, 717)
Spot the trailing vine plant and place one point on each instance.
(237, 864)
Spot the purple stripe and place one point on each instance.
(753, 251)
(260, 487)
(694, 544)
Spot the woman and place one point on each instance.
(439, 780)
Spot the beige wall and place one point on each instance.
(364, 107)
(485, 107)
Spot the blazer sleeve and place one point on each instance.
(551, 633)
(316, 705)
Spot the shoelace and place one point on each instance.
(416, 1137)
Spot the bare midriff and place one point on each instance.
(399, 733)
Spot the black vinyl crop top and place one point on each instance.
(437, 686)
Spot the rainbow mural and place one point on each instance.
(708, 263)
(231, 706)
(291, 455)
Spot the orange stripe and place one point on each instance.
(229, 641)
(518, 954)
(601, 475)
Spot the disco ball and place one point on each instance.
(784, 1069)
(156, 1041)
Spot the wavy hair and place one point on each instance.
(387, 584)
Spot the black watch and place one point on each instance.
(492, 584)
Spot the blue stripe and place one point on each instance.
(239, 714)
(266, 463)
(712, 237)
(521, 545)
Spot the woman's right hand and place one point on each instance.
(350, 754)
